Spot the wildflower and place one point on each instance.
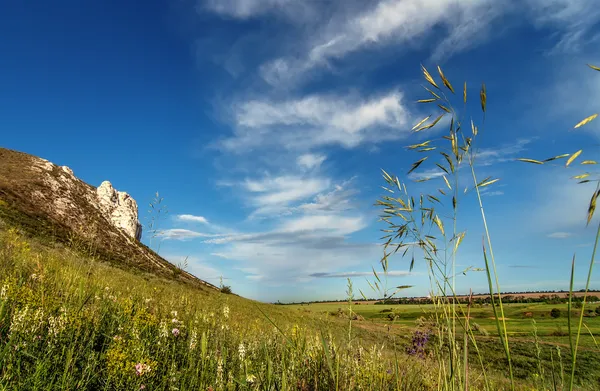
(56, 324)
(142, 368)
(226, 312)
(175, 332)
(174, 314)
(142, 387)
(163, 330)
(219, 370)
(3, 294)
(193, 340)
(18, 320)
(419, 341)
(117, 338)
(242, 351)
(250, 378)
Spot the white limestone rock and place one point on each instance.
(120, 209)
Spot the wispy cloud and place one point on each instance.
(275, 195)
(318, 120)
(560, 235)
(426, 174)
(466, 24)
(339, 199)
(573, 19)
(310, 160)
(245, 9)
(391, 273)
(192, 218)
(181, 234)
(483, 157)
(502, 153)
(340, 225)
(312, 235)
(386, 22)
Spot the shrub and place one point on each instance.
(226, 289)
(555, 313)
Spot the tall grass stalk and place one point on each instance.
(419, 218)
(587, 287)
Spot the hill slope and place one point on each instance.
(49, 202)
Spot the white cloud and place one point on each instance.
(426, 174)
(181, 234)
(244, 9)
(192, 218)
(389, 21)
(560, 235)
(310, 160)
(318, 120)
(340, 225)
(573, 19)
(465, 24)
(289, 258)
(313, 237)
(390, 273)
(337, 200)
(502, 153)
(275, 195)
(488, 193)
(483, 157)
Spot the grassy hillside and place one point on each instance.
(71, 322)
(49, 202)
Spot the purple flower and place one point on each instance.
(175, 332)
(417, 347)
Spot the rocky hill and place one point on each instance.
(49, 202)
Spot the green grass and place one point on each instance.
(70, 322)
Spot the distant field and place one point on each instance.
(533, 295)
(519, 317)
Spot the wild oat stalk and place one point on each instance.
(155, 214)
(585, 177)
(422, 218)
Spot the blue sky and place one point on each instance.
(264, 125)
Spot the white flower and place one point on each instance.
(242, 351)
(226, 312)
(163, 329)
(3, 291)
(193, 340)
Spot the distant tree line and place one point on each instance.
(548, 297)
(553, 298)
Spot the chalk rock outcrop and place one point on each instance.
(120, 209)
